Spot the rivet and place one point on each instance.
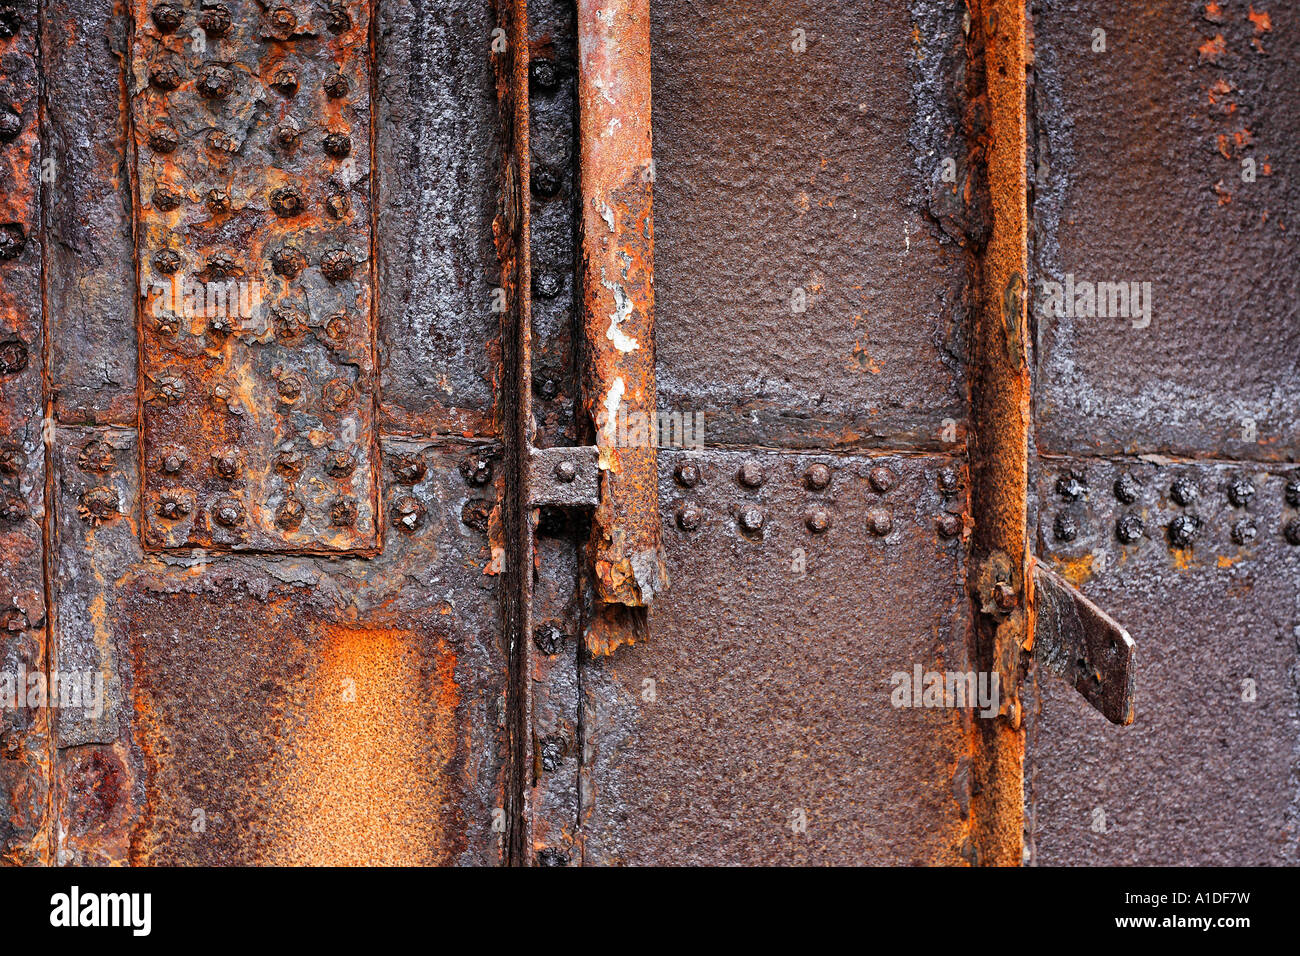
(343, 513)
(552, 857)
(687, 474)
(949, 524)
(337, 265)
(817, 520)
(817, 477)
(475, 514)
(338, 145)
(290, 514)
(99, 505)
(548, 284)
(1292, 492)
(949, 482)
(13, 240)
(167, 16)
(13, 357)
(337, 18)
(165, 200)
(340, 464)
(688, 518)
(13, 509)
(476, 470)
(170, 389)
(215, 20)
(1240, 491)
(882, 479)
(174, 505)
(166, 323)
(543, 75)
(548, 639)
(566, 471)
(228, 512)
(879, 522)
(288, 136)
(11, 124)
(751, 520)
(408, 514)
(228, 463)
(1292, 531)
(1065, 527)
(751, 474)
(165, 76)
(338, 394)
(218, 201)
(1129, 528)
(1184, 491)
(337, 328)
(285, 82)
(167, 261)
(1071, 486)
(290, 387)
(1127, 488)
(10, 22)
(338, 205)
(288, 261)
(546, 180)
(174, 461)
(289, 464)
(286, 201)
(289, 323)
(219, 265)
(552, 754)
(1183, 529)
(12, 461)
(409, 470)
(216, 82)
(163, 139)
(1005, 596)
(282, 20)
(336, 86)
(1243, 531)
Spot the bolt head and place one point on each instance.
(343, 513)
(337, 145)
(548, 639)
(1244, 531)
(1065, 527)
(167, 16)
(566, 471)
(751, 520)
(409, 470)
(543, 75)
(1129, 528)
(337, 265)
(1240, 491)
(879, 522)
(949, 482)
(476, 470)
(688, 519)
(1183, 530)
(1184, 491)
(817, 520)
(546, 180)
(289, 515)
(882, 479)
(215, 20)
(228, 512)
(1071, 486)
(687, 474)
(1127, 489)
(949, 524)
(751, 474)
(408, 514)
(817, 477)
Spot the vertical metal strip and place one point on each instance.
(1000, 393)
(25, 742)
(617, 223)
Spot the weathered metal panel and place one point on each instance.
(810, 279)
(762, 701)
(24, 731)
(1144, 150)
(286, 709)
(253, 214)
(1202, 561)
(439, 165)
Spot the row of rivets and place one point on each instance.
(817, 477)
(1183, 491)
(1182, 530)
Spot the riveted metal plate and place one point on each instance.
(1197, 560)
(755, 724)
(252, 140)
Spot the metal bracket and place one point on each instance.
(565, 477)
(1084, 646)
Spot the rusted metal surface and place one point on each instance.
(1000, 412)
(763, 702)
(439, 167)
(618, 294)
(1206, 773)
(88, 214)
(807, 237)
(285, 710)
(1209, 370)
(24, 731)
(253, 232)
(1083, 645)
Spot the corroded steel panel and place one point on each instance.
(24, 742)
(252, 139)
(811, 280)
(1200, 561)
(756, 724)
(286, 710)
(1164, 158)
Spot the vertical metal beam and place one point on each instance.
(1000, 389)
(617, 224)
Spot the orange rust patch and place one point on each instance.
(1263, 23)
(361, 781)
(1212, 51)
(1075, 570)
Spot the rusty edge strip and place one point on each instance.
(1000, 412)
(515, 410)
(617, 256)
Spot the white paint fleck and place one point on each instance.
(622, 309)
(613, 398)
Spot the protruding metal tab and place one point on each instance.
(1084, 645)
(566, 477)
